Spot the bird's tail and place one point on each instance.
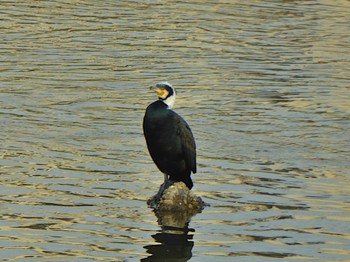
(188, 182)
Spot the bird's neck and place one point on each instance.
(170, 101)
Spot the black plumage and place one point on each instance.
(169, 138)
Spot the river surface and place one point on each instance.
(264, 85)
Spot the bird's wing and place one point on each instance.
(187, 142)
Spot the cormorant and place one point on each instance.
(169, 139)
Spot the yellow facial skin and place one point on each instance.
(161, 92)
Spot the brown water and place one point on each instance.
(263, 84)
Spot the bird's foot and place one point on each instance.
(162, 188)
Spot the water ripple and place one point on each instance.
(264, 86)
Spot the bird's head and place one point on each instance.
(165, 92)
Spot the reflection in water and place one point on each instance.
(174, 240)
(173, 219)
(173, 244)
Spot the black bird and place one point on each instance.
(169, 139)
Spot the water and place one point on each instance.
(264, 86)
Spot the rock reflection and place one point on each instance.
(176, 220)
(174, 211)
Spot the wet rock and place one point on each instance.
(176, 206)
(177, 197)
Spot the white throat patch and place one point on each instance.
(170, 101)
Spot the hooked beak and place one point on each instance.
(161, 92)
(155, 89)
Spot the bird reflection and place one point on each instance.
(173, 244)
(174, 240)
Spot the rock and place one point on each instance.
(176, 205)
(177, 197)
